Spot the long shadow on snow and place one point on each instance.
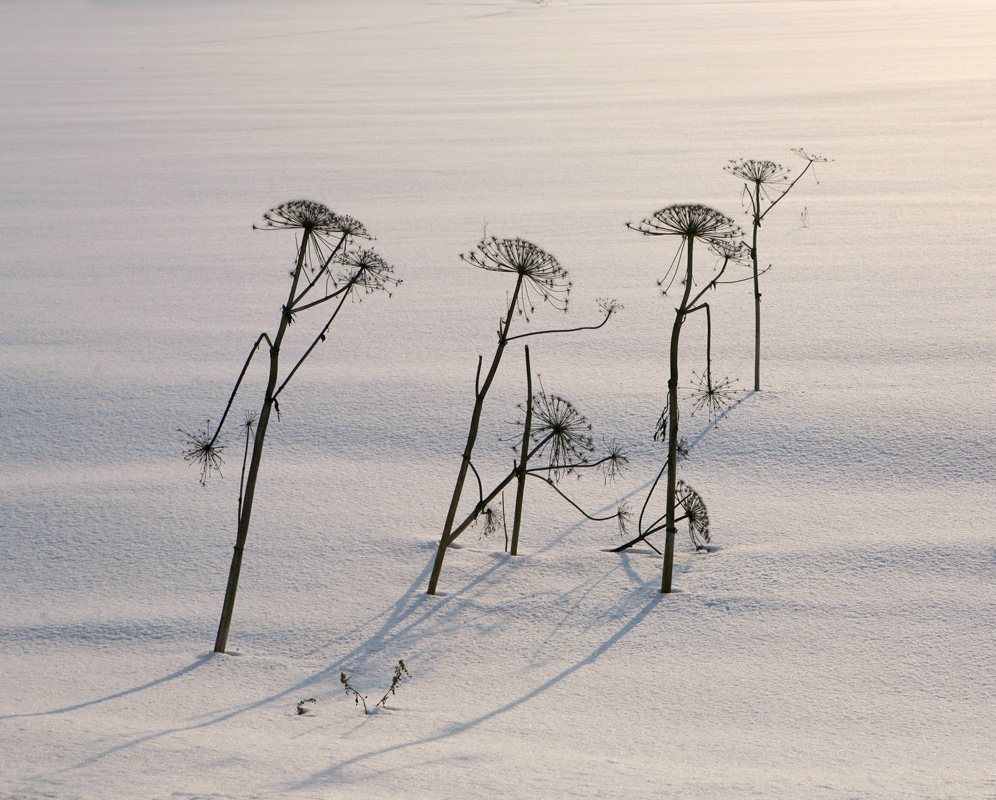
(202, 659)
(400, 623)
(328, 775)
(406, 606)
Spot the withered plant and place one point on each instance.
(329, 267)
(400, 673)
(559, 438)
(539, 277)
(691, 224)
(765, 184)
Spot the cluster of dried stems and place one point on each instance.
(554, 439)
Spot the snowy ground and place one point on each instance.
(838, 644)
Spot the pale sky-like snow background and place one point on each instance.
(840, 641)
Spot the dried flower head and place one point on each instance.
(249, 422)
(307, 215)
(695, 512)
(608, 306)
(541, 273)
(564, 432)
(492, 518)
(763, 173)
(614, 461)
(690, 222)
(366, 270)
(624, 517)
(732, 250)
(715, 397)
(203, 450)
(809, 157)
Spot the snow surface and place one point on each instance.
(838, 644)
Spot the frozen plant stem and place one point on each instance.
(524, 463)
(537, 273)
(764, 182)
(709, 226)
(325, 259)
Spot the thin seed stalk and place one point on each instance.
(257, 453)
(757, 290)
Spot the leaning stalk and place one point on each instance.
(475, 423)
(257, 452)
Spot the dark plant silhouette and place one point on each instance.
(302, 708)
(351, 692)
(561, 441)
(694, 510)
(765, 184)
(329, 267)
(538, 277)
(691, 223)
(400, 673)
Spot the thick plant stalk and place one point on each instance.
(221, 640)
(480, 393)
(672, 433)
(524, 464)
(757, 289)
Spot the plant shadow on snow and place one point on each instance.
(199, 661)
(417, 626)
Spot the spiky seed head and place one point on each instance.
(624, 517)
(695, 509)
(614, 461)
(492, 519)
(714, 396)
(690, 221)
(732, 250)
(609, 306)
(307, 215)
(567, 433)
(203, 450)
(809, 157)
(541, 272)
(249, 422)
(366, 270)
(764, 173)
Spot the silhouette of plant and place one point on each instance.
(301, 709)
(329, 267)
(692, 223)
(765, 184)
(400, 673)
(539, 277)
(351, 692)
(695, 513)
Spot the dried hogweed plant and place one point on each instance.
(329, 268)
(690, 224)
(765, 184)
(539, 279)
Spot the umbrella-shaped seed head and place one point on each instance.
(758, 172)
(308, 215)
(695, 509)
(541, 273)
(732, 250)
(690, 221)
(366, 270)
(566, 431)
